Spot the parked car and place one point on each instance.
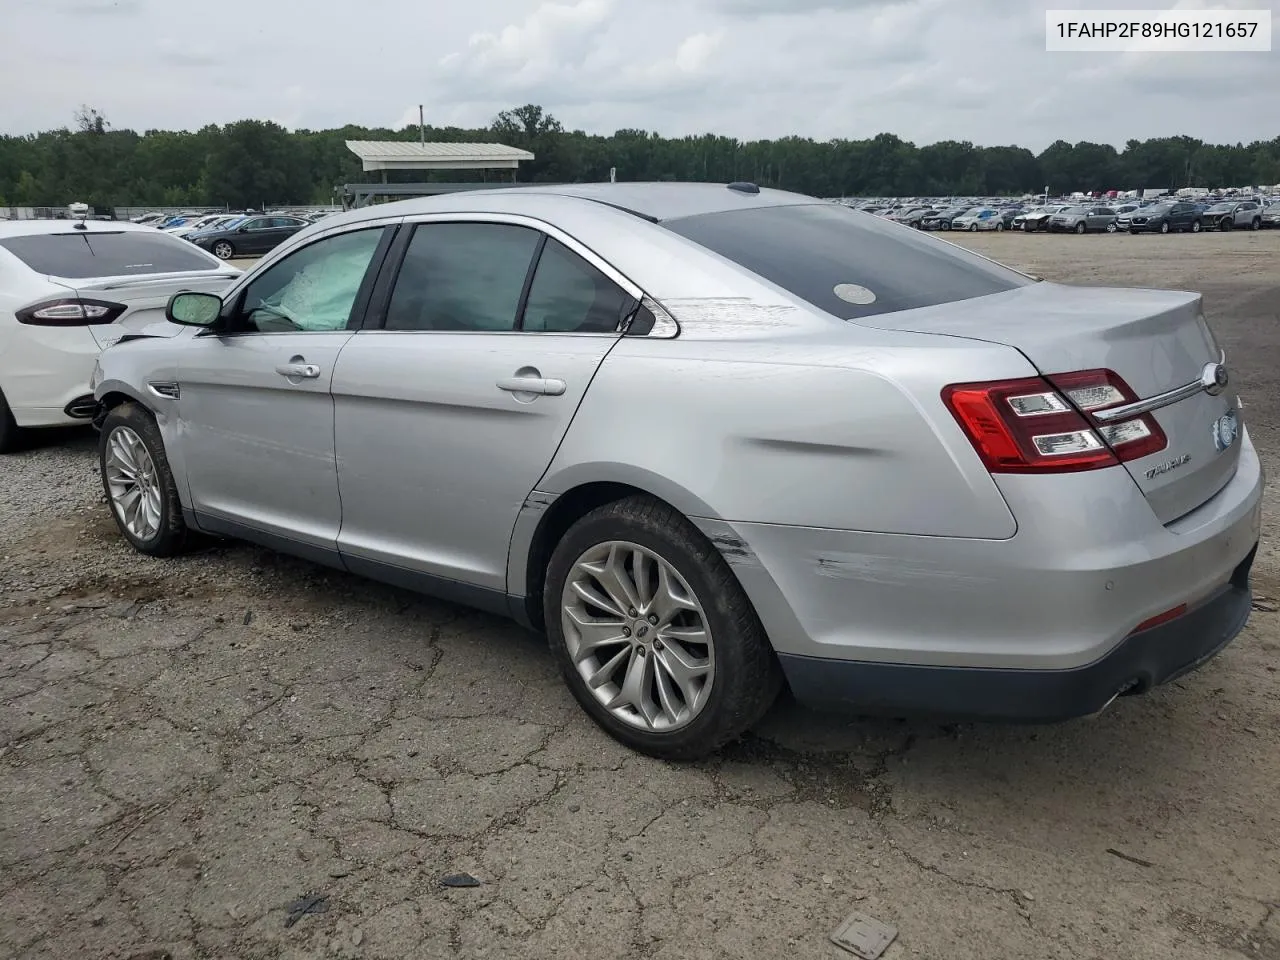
(916, 217)
(66, 291)
(1038, 218)
(1271, 216)
(1169, 217)
(1083, 220)
(978, 218)
(1008, 215)
(196, 224)
(466, 443)
(249, 237)
(1229, 214)
(941, 220)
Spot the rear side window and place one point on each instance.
(88, 255)
(462, 277)
(846, 263)
(569, 295)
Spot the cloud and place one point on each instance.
(101, 8)
(925, 70)
(795, 8)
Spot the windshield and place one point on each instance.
(87, 255)
(847, 265)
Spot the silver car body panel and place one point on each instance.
(815, 453)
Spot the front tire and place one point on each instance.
(1164, 226)
(1195, 226)
(973, 228)
(139, 484)
(1225, 224)
(223, 250)
(655, 637)
(1080, 229)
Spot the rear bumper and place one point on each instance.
(1140, 662)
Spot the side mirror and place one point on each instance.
(194, 309)
(242, 229)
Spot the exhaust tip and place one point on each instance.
(81, 408)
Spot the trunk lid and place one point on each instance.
(1156, 340)
(145, 297)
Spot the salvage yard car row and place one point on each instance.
(1167, 215)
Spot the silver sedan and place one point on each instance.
(713, 440)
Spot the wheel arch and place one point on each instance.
(545, 516)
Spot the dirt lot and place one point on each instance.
(186, 747)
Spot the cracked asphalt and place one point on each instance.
(186, 747)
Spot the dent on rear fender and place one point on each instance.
(744, 437)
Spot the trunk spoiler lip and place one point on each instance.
(1213, 380)
(151, 279)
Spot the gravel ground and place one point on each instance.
(188, 746)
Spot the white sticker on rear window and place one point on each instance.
(853, 293)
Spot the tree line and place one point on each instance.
(253, 162)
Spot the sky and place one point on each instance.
(925, 70)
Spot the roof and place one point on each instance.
(655, 202)
(411, 155)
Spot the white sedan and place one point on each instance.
(68, 289)
(979, 218)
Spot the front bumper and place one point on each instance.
(1140, 662)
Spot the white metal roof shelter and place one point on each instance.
(409, 155)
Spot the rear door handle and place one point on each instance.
(538, 385)
(299, 371)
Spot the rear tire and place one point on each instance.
(12, 436)
(1255, 224)
(742, 677)
(139, 484)
(1000, 227)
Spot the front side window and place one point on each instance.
(462, 277)
(312, 290)
(569, 295)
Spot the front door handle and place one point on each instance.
(539, 385)
(299, 371)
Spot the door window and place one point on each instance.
(569, 295)
(312, 290)
(462, 277)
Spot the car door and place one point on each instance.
(448, 411)
(1100, 217)
(255, 411)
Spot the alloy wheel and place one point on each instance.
(223, 250)
(638, 636)
(133, 483)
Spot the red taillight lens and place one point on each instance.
(1094, 390)
(71, 312)
(1037, 425)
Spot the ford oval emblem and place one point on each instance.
(1226, 429)
(1214, 378)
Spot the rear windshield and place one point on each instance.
(844, 262)
(87, 255)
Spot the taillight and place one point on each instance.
(1037, 425)
(1095, 390)
(71, 312)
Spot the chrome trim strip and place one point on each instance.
(1206, 384)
